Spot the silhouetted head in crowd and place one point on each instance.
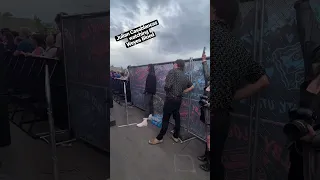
(17, 40)
(151, 69)
(37, 40)
(179, 64)
(8, 38)
(50, 41)
(15, 34)
(225, 10)
(57, 20)
(2, 31)
(24, 33)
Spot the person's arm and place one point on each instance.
(169, 80)
(58, 41)
(154, 84)
(206, 72)
(147, 83)
(254, 73)
(20, 49)
(16, 53)
(190, 87)
(51, 53)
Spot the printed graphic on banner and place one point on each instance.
(139, 34)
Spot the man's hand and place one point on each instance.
(204, 57)
(188, 89)
(310, 135)
(314, 86)
(208, 89)
(251, 89)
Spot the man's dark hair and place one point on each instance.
(57, 19)
(39, 39)
(180, 64)
(226, 10)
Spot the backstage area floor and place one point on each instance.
(29, 159)
(132, 158)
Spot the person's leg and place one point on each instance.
(151, 109)
(296, 165)
(147, 104)
(167, 111)
(219, 130)
(176, 117)
(204, 157)
(146, 112)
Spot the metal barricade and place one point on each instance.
(25, 79)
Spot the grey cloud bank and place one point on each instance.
(47, 9)
(183, 31)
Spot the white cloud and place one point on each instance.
(182, 33)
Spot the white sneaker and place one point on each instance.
(143, 123)
(150, 117)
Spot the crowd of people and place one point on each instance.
(29, 43)
(119, 75)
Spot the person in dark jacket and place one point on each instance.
(205, 116)
(150, 91)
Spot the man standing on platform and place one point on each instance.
(177, 83)
(231, 64)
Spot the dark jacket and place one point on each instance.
(151, 84)
(206, 74)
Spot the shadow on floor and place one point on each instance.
(132, 158)
(29, 159)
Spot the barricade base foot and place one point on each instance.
(185, 136)
(126, 125)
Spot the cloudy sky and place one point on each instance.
(47, 9)
(182, 33)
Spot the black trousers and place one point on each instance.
(171, 107)
(5, 136)
(219, 130)
(148, 102)
(296, 163)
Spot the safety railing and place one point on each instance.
(25, 89)
(190, 108)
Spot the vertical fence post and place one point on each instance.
(51, 124)
(189, 96)
(257, 106)
(252, 103)
(125, 100)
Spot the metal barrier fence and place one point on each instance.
(25, 91)
(86, 41)
(118, 91)
(256, 148)
(190, 110)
